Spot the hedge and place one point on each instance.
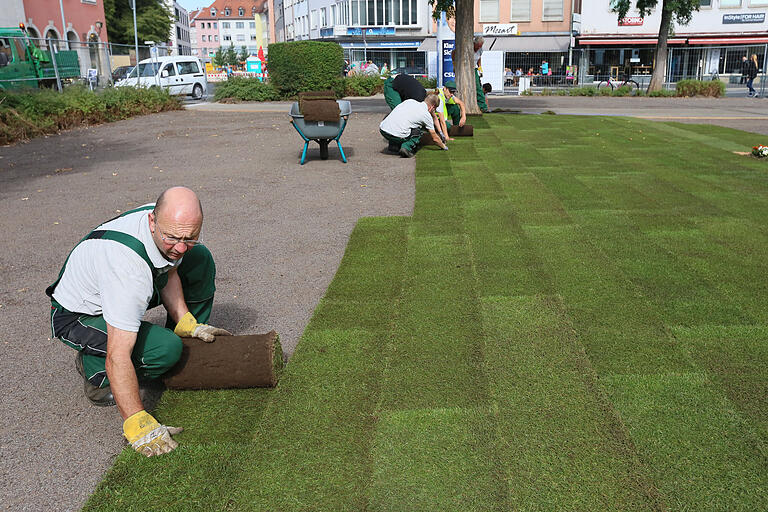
(300, 66)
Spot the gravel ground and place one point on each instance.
(277, 229)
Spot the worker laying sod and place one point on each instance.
(570, 320)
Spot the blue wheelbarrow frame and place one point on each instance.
(321, 132)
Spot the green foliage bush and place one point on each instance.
(362, 85)
(300, 66)
(428, 82)
(662, 93)
(583, 91)
(246, 89)
(29, 114)
(710, 88)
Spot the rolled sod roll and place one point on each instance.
(461, 131)
(254, 361)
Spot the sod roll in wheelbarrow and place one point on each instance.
(254, 361)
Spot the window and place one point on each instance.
(334, 21)
(730, 3)
(202, 38)
(214, 24)
(239, 24)
(240, 11)
(170, 70)
(758, 3)
(253, 37)
(188, 67)
(252, 24)
(489, 10)
(241, 37)
(225, 24)
(313, 17)
(227, 11)
(324, 17)
(520, 11)
(227, 38)
(216, 38)
(213, 11)
(253, 11)
(552, 10)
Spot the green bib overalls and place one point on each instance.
(157, 348)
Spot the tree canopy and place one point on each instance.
(671, 10)
(153, 21)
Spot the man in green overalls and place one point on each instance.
(145, 257)
(451, 107)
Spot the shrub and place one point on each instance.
(29, 114)
(710, 88)
(428, 82)
(361, 85)
(306, 66)
(246, 89)
(583, 91)
(662, 93)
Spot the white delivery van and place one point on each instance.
(179, 74)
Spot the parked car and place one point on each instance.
(120, 73)
(414, 71)
(180, 74)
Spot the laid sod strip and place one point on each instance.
(436, 459)
(701, 453)
(735, 357)
(313, 453)
(561, 445)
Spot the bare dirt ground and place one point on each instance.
(277, 230)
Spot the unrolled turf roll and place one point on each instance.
(254, 361)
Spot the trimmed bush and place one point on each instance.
(246, 89)
(306, 66)
(29, 114)
(710, 88)
(428, 83)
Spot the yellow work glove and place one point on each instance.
(189, 328)
(147, 436)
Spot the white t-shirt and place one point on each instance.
(407, 115)
(105, 277)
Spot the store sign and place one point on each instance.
(448, 73)
(500, 29)
(746, 17)
(631, 21)
(371, 31)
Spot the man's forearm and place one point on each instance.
(436, 138)
(120, 371)
(172, 295)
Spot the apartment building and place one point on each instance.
(204, 34)
(178, 42)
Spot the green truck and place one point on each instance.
(24, 65)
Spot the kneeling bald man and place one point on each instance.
(145, 257)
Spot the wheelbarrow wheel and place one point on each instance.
(324, 148)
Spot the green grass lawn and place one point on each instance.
(575, 318)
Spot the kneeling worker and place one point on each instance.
(143, 258)
(450, 107)
(403, 87)
(403, 126)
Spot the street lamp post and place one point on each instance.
(135, 38)
(64, 24)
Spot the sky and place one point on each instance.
(191, 5)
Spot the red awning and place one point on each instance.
(625, 42)
(728, 40)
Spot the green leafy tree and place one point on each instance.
(218, 58)
(244, 54)
(680, 11)
(153, 21)
(463, 65)
(230, 55)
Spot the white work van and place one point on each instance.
(179, 74)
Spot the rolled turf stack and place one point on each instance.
(253, 361)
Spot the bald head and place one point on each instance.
(179, 204)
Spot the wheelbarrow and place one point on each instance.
(321, 132)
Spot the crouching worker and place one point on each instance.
(143, 258)
(404, 125)
(403, 87)
(450, 107)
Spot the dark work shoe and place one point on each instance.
(101, 397)
(393, 147)
(405, 153)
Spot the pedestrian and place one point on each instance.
(752, 70)
(404, 126)
(744, 69)
(145, 257)
(403, 87)
(346, 68)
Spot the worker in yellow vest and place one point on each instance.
(450, 107)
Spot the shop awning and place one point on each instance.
(728, 40)
(625, 42)
(513, 44)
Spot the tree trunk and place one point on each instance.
(463, 62)
(660, 67)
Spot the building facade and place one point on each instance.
(204, 30)
(719, 34)
(240, 23)
(178, 42)
(12, 13)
